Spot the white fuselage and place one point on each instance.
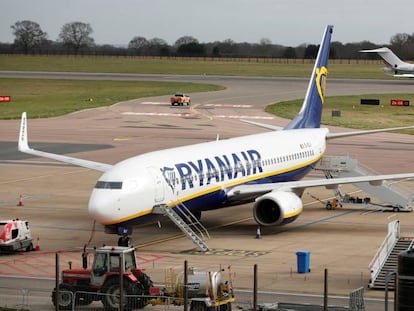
(200, 175)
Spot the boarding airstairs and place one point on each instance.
(385, 262)
(388, 193)
(187, 223)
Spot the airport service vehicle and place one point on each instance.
(206, 291)
(102, 282)
(180, 99)
(15, 236)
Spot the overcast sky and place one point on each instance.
(285, 22)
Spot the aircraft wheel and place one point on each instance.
(125, 241)
(328, 205)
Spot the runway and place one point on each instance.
(56, 196)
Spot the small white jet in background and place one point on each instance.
(394, 65)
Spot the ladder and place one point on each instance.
(390, 196)
(187, 224)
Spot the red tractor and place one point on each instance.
(102, 282)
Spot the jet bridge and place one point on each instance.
(391, 196)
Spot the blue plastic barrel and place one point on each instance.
(303, 261)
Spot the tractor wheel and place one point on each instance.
(111, 293)
(66, 295)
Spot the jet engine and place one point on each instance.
(277, 208)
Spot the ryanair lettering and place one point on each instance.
(214, 169)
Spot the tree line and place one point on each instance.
(76, 38)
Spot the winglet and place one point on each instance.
(23, 140)
(23, 146)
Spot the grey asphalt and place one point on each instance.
(343, 241)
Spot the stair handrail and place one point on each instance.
(182, 225)
(384, 250)
(193, 221)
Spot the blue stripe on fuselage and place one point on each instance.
(218, 199)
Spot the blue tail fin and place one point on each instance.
(310, 114)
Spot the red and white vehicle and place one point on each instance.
(207, 291)
(15, 236)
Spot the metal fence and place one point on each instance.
(34, 299)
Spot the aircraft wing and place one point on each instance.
(253, 190)
(23, 146)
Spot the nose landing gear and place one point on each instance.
(125, 240)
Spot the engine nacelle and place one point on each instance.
(277, 208)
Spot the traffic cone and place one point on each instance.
(258, 234)
(20, 203)
(37, 247)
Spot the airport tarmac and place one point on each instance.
(56, 196)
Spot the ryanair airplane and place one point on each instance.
(266, 169)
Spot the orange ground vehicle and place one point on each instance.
(180, 99)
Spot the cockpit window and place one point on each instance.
(108, 185)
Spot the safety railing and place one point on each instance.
(383, 252)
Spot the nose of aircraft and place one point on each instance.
(102, 206)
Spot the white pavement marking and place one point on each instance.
(161, 114)
(244, 117)
(186, 115)
(228, 105)
(156, 103)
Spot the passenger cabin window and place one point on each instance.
(109, 185)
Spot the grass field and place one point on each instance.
(355, 115)
(229, 67)
(45, 98)
(42, 98)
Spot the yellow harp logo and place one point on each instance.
(321, 74)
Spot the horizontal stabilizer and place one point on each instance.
(263, 125)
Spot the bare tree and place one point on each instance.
(158, 47)
(185, 40)
(28, 34)
(76, 35)
(138, 44)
